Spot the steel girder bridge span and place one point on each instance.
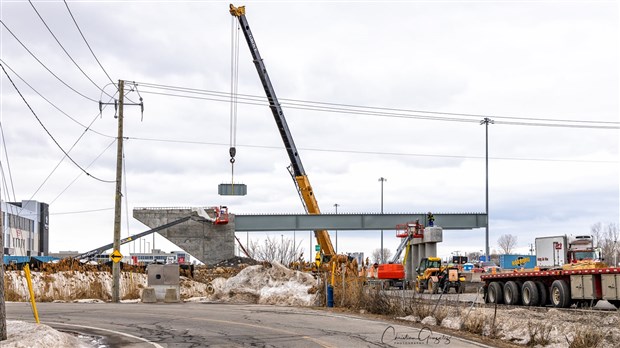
(353, 221)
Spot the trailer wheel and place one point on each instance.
(529, 294)
(560, 294)
(511, 293)
(495, 294)
(543, 298)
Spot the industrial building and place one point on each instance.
(25, 228)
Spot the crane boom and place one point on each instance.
(297, 169)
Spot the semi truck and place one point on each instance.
(569, 272)
(557, 251)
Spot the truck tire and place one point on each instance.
(529, 294)
(495, 293)
(543, 297)
(512, 294)
(560, 294)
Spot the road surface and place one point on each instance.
(226, 325)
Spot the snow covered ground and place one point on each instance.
(274, 284)
(30, 335)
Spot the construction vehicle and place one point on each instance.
(433, 276)
(426, 274)
(296, 169)
(558, 251)
(392, 274)
(568, 273)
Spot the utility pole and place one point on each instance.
(486, 122)
(116, 266)
(3, 334)
(382, 180)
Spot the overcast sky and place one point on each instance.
(515, 62)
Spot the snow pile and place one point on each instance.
(78, 285)
(275, 285)
(518, 325)
(24, 335)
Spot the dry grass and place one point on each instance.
(474, 323)
(540, 334)
(9, 293)
(586, 337)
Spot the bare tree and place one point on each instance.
(473, 256)
(376, 255)
(506, 243)
(606, 238)
(274, 249)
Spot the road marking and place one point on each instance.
(108, 330)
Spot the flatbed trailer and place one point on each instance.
(559, 288)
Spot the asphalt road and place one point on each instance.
(226, 325)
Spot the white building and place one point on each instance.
(25, 228)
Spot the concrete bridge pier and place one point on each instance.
(205, 241)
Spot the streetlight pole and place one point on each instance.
(486, 122)
(336, 205)
(382, 180)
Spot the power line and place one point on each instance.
(48, 133)
(86, 42)
(46, 68)
(64, 50)
(80, 174)
(54, 105)
(6, 155)
(373, 152)
(81, 211)
(323, 106)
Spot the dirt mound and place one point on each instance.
(236, 261)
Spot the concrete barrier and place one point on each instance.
(171, 296)
(148, 295)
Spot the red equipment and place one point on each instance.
(221, 215)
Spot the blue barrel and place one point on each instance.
(330, 296)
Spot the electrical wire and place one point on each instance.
(125, 191)
(6, 155)
(374, 152)
(46, 68)
(88, 128)
(86, 41)
(346, 108)
(64, 50)
(81, 211)
(47, 131)
(80, 174)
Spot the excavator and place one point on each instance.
(296, 169)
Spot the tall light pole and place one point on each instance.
(336, 205)
(382, 180)
(486, 122)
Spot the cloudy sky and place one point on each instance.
(408, 83)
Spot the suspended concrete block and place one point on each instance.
(232, 189)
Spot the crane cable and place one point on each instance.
(234, 88)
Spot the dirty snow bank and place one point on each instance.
(22, 334)
(519, 325)
(275, 285)
(78, 285)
